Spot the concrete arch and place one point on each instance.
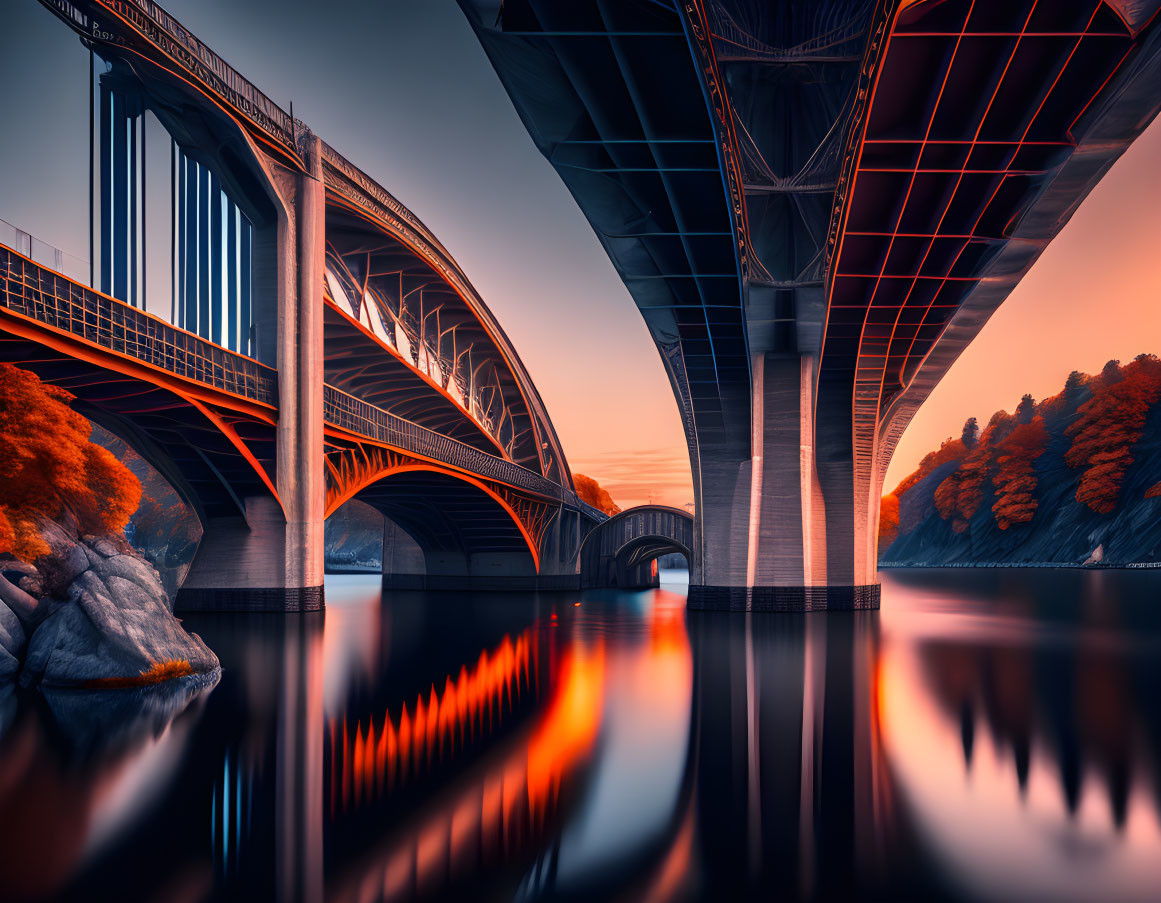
(620, 551)
(466, 531)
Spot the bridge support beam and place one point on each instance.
(763, 539)
(272, 558)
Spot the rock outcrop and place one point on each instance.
(92, 613)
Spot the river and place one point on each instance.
(989, 735)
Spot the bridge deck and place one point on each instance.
(36, 293)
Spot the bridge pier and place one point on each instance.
(765, 540)
(271, 559)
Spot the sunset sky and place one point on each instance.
(404, 91)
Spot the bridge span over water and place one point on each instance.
(277, 334)
(816, 205)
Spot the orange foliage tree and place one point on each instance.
(888, 520)
(590, 492)
(157, 523)
(1015, 477)
(1107, 427)
(949, 450)
(49, 466)
(960, 495)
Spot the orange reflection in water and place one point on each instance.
(365, 764)
(504, 809)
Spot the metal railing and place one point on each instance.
(36, 292)
(160, 28)
(365, 419)
(45, 254)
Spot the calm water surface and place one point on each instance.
(990, 735)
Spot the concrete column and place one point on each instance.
(270, 557)
(301, 466)
(768, 539)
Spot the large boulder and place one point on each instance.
(116, 629)
(66, 559)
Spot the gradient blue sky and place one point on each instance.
(403, 89)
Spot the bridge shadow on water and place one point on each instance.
(986, 736)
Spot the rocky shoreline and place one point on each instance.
(92, 613)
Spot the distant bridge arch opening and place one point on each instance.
(621, 551)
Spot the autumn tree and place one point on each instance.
(156, 523)
(1015, 476)
(1110, 373)
(49, 466)
(888, 520)
(1107, 427)
(1026, 409)
(1073, 386)
(971, 433)
(949, 450)
(960, 495)
(590, 492)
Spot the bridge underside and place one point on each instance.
(467, 537)
(816, 206)
(180, 437)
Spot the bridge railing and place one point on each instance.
(38, 293)
(43, 253)
(365, 419)
(161, 29)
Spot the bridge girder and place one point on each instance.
(823, 118)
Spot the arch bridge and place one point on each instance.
(278, 334)
(622, 550)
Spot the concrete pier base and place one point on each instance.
(784, 598)
(249, 564)
(280, 599)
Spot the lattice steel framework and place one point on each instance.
(360, 418)
(140, 29)
(973, 114)
(354, 468)
(39, 294)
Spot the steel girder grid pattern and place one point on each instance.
(975, 109)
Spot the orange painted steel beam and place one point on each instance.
(82, 349)
(353, 206)
(371, 479)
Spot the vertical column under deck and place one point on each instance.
(272, 558)
(765, 540)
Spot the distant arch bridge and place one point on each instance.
(621, 550)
